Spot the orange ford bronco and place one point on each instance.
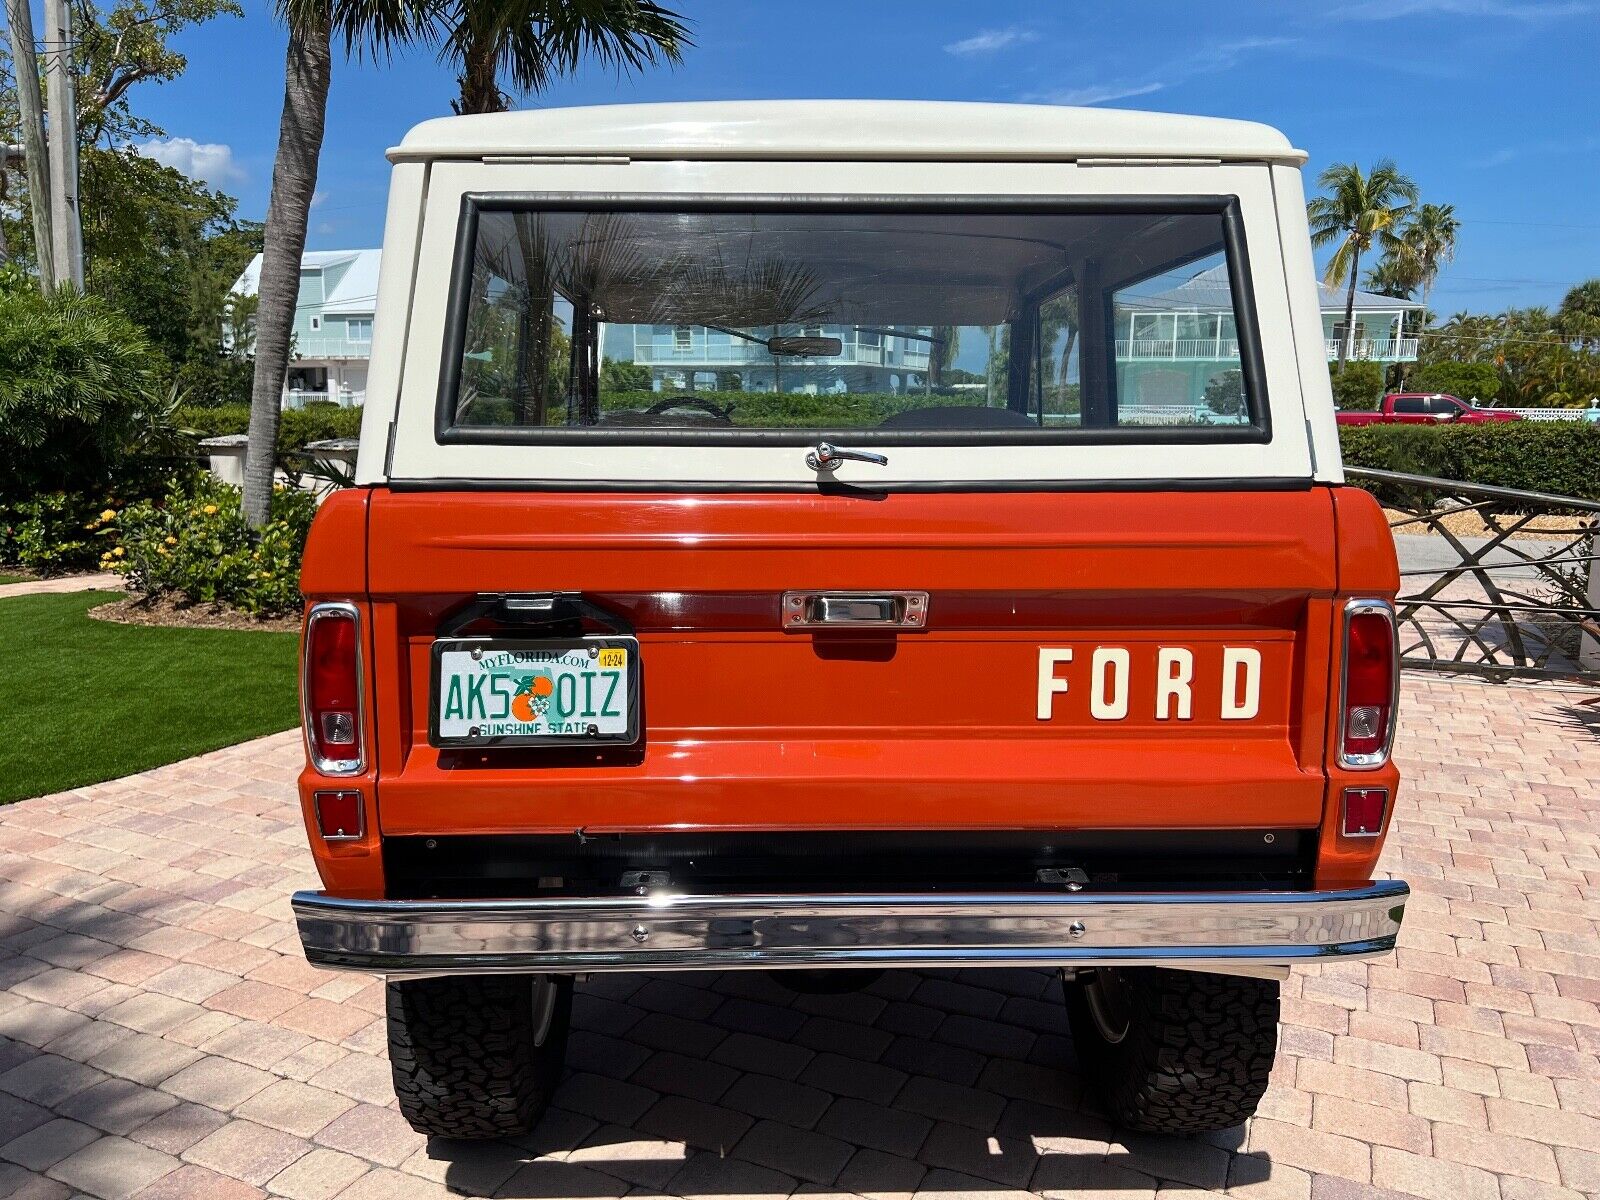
(821, 537)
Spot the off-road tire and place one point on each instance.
(1195, 1053)
(477, 1056)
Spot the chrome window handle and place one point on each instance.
(827, 457)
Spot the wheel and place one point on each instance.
(1174, 1051)
(477, 1056)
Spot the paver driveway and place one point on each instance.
(162, 1036)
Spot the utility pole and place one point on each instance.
(19, 19)
(65, 220)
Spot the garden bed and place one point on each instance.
(167, 612)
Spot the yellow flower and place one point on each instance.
(209, 509)
(108, 515)
(171, 541)
(118, 551)
(162, 550)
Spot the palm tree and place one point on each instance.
(1427, 242)
(1359, 212)
(537, 39)
(1391, 276)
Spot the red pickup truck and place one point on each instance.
(1423, 408)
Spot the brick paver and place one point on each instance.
(161, 1036)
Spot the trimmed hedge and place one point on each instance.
(1558, 456)
(315, 423)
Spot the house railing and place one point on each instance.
(1519, 599)
(1375, 350)
(326, 345)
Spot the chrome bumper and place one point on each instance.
(1200, 930)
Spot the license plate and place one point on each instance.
(545, 692)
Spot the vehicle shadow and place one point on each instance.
(690, 1085)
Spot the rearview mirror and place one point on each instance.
(805, 347)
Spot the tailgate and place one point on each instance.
(1089, 660)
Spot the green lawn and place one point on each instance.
(5, 579)
(83, 700)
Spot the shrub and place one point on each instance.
(296, 427)
(55, 533)
(1562, 457)
(79, 404)
(194, 544)
(1359, 388)
(1463, 380)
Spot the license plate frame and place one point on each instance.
(490, 646)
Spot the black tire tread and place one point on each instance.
(463, 1054)
(1197, 1054)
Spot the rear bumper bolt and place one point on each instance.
(1075, 930)
(640, 933)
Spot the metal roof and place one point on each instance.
(1208, 291)
(846, 129)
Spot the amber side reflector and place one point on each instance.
(1364, 810)
(339, 815)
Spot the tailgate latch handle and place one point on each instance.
(827, 457)
(855, 610)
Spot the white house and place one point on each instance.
(332, 324)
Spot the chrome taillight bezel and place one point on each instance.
(1371, 760)
(338, 768)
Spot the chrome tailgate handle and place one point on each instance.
(855, 610)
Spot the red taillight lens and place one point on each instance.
(333, 689)
(1363, 811)
(1369, 684)
(338, 815)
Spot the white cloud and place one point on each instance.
(1205, 60)
(1516, 10)
(987, 41)
(208, 161)
(1095, 94)
(318, 197)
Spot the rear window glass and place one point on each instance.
(893, 325)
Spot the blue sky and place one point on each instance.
(1491, 105)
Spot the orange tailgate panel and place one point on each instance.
(748, 726)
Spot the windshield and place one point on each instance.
(880, 321)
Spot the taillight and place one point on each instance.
(1363, 811)
(331, 689)
(1367, 698)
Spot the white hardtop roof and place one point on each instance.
(845, 129)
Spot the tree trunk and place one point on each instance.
(306, 73)
(19, 20)
(66, 222)
(1347, 342)
(480, 86)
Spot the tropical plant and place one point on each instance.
(1426, 242)
(1358, 388)
(1389, 276)
(1579, 314)
(1360, 211)
(80, 408)
(538, 40)
(534, 42)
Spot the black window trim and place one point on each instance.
(1258, 432)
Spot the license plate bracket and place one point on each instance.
(488, 692)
